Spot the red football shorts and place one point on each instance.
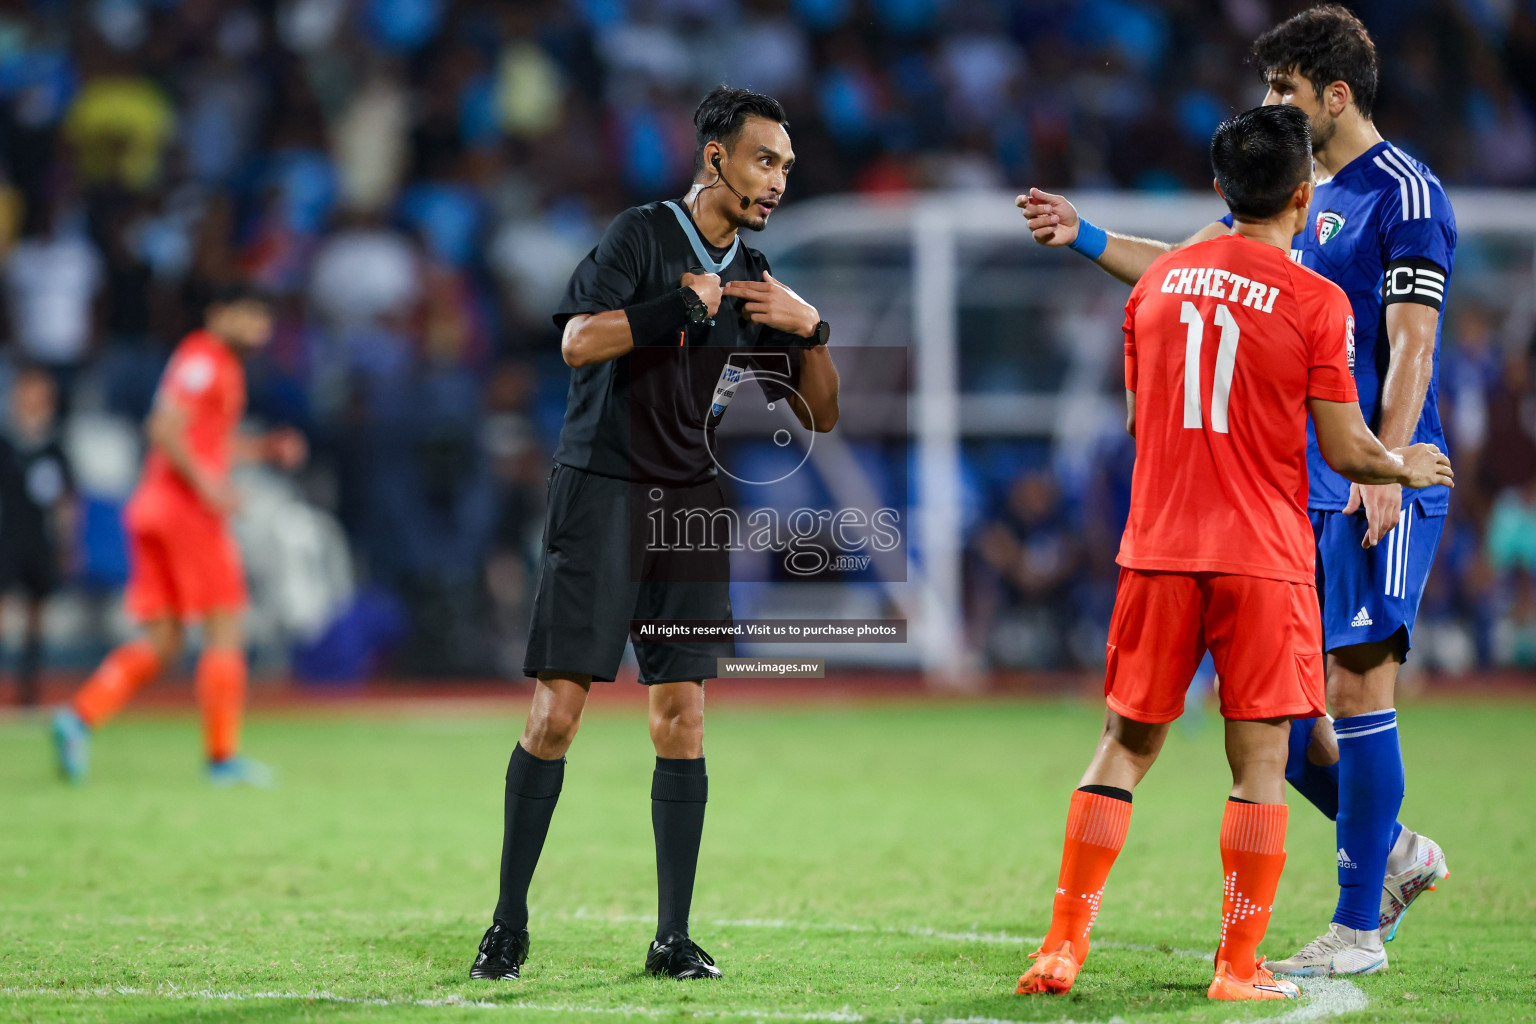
(1264, 635)
(183, 573)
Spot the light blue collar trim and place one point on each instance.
(713, 266)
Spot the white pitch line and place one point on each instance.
(1001, 938)
(1324, 998)
(1335, 997)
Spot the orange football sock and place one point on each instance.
(221, 693)
(119, 677)
(1252, 857)
(1096, 827)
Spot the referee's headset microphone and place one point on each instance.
(720, 176)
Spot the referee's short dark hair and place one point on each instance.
(1259, 157)
(1324, 44)
(722, 113)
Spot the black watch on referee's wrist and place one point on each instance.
(819, 335)
(698, 312)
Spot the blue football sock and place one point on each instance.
(1370, 795)
(1319, 783)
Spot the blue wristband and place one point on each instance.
(1091, 239)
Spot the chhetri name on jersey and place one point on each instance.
(1221, 284)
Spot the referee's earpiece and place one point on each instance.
(719, 174)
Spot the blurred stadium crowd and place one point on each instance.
(415, 178)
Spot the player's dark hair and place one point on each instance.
(722, 113)
(1259, 157)
(234, 292)
(1323, 44)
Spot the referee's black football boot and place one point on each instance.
(680, 957)
(502, 953)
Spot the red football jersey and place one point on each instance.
(1224, 343)
(206, 381)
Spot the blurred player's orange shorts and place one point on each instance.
(184, 572)
(1265, 637)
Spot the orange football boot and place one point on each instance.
(1052, 973)
(1263, 985)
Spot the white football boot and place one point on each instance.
(1338, 951)
(1415, 865)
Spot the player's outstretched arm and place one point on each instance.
(284, 447)
(1354, 452)
(1055, 222)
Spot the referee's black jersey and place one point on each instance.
(643, 416)
(34, 478)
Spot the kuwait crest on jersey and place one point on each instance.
(1329, 224)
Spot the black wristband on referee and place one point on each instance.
(652, 322)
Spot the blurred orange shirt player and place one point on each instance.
(184, 560)
(184, 564)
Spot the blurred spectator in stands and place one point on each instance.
(1470, 366)
(38, 78)
(433, 510)
(54, 278)
(519, 460)
(369, 139)
(1512, 529)
(1502, 128)
(120, 122)
(1031, 555)
(366, 272)
(1514, 637)
(223, 99)
(11, 207)
(403, 26)
(531, 254)
(1511, 446)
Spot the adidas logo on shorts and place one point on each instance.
(1362, 618)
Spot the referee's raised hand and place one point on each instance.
(706, 287)
(775, 304)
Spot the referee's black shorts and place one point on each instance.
(29, 561)
(589, 589)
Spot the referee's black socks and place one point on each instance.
(679, 789)
(533, 788)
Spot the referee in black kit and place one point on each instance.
(650, 318)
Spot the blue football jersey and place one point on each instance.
(1381, 229)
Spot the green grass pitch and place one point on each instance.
(863, 863)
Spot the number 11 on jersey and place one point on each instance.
(1226, 363)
